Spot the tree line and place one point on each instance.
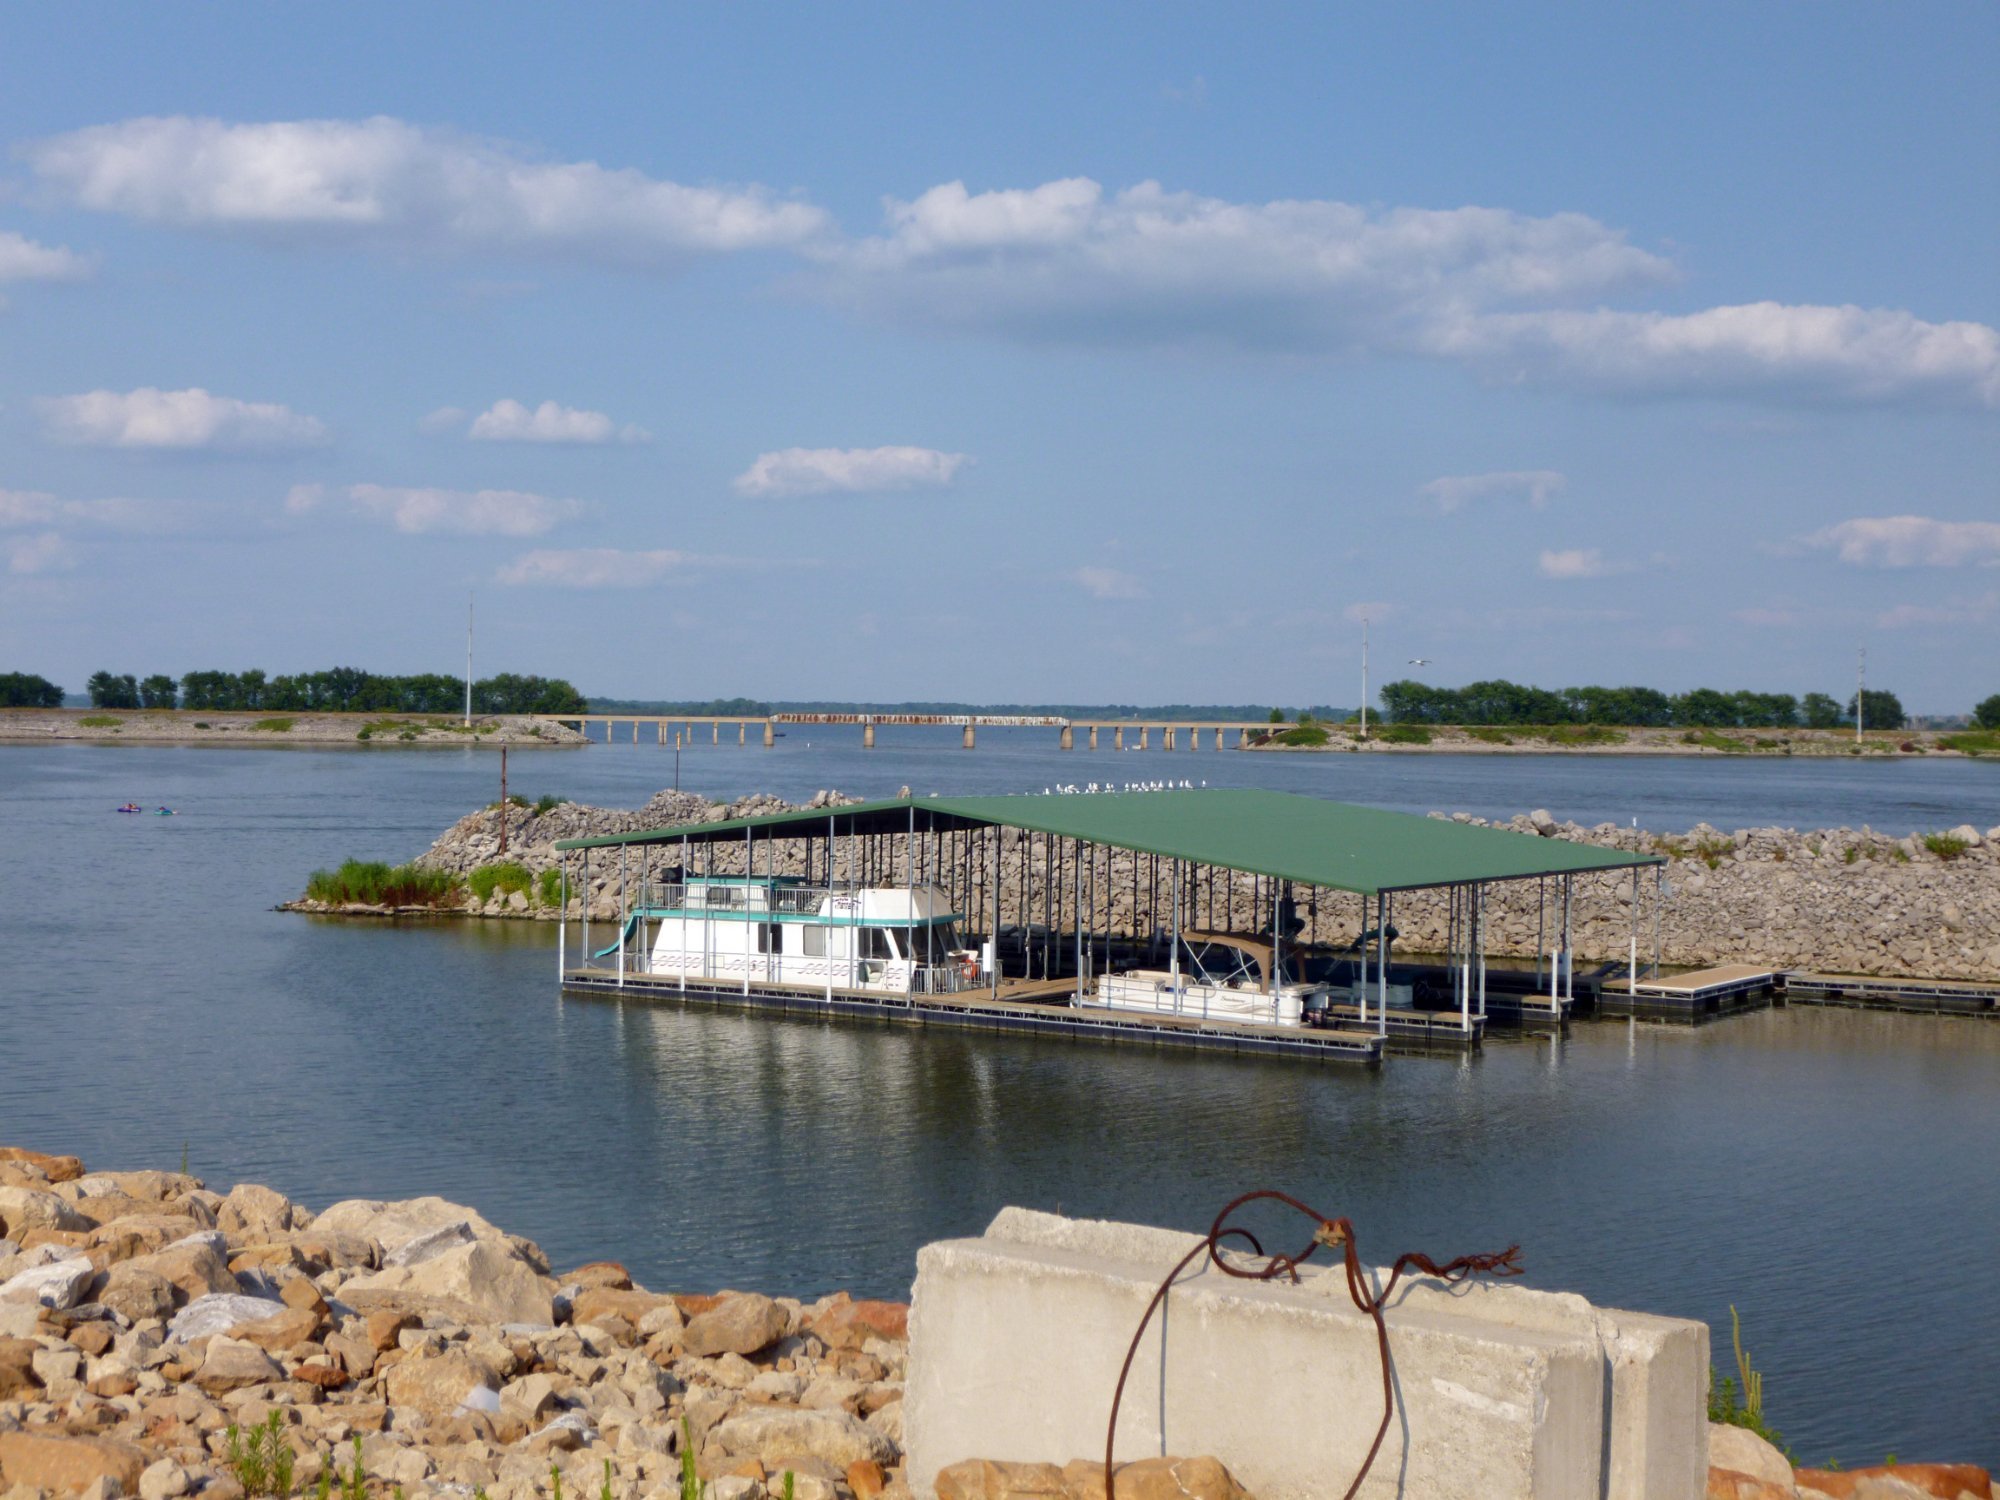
(337, 690)
(1503, 702)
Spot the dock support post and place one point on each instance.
(993, 932)
(1479, 939)
(621, 897)
(1385, 909)
(684, 907)
(867, 734)
(1174, 959)
(562, 917)
(1465, 968)
(1632, 962)
(1659, 901)
(1568, 958)
(586, 909)
(1067, 740)
(971, 740)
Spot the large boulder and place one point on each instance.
(219, 1312)
(230, 1364)
(438, 1384)
(68, 1465)
(18, 1380)
(985, 1479)
(136, 1294)
(1156, 1479)
(483, 1282)
(54, 1168)
(59, 1284)
(1742, 1452)
(741, 1323)
(774, 1434)
(256, 1215)
(159, 1187)
(26, 1208)
(392, 1225)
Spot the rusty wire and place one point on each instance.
(1328, 1233)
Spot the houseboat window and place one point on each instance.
(875, 943)
(767, 938)
(815, 938)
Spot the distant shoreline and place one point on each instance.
(1722, 744)
(278, 731)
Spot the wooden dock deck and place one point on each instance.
(1944, 997)
(1701, 995)
(1026, 1007)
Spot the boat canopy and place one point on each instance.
(1280, 835)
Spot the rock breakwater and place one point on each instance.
(1837, 900)
(149, 1325)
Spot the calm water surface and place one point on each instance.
(1830, 1174)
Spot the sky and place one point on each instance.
(1115, 353)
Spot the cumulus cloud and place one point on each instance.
(1835, 354)
(593, 568)
(389, 184)
(38, 552)
(1911, 542)
(819, 471)
(456, 512)
(1070, 261)
(23, 259)
(1578, 562)
(1456, 491)
(1107, 583)
(189, 420)
(508, 421)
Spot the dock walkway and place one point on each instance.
(1693, 997)
(1023, 1009)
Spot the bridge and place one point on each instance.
(1123, 734)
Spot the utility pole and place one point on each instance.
(503, 801)
(1364, 677)
(1860, 691)
(468, 660)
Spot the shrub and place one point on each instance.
(1405, 734)
(1487, 734)
(373, 883)
(505, 876)
(1303, 734)
(100, 721)
(549, 885)
(280, 725)
(1945, 845)
(1972, 742)
(1581, 734)
(548, 802)
(1708, 739)
(262, 1461)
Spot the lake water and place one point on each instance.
(1831, 1174)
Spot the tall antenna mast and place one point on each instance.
(1364, 677)
(468, 659)
(1860, 691)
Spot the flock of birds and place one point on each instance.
(1073, 790)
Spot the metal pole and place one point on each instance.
(683, 955)
(1465, 965)
(829, 900)
(621, 916)
(995, 932)
(1659, 902)
(587, 954)
(1174, 962)
(503, 799)
(1387, 911)
(1632, 962)
(562, 917)
(1568, 958)
(1076, 875)
(1479, 937)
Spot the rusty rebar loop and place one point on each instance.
(1330, 1234)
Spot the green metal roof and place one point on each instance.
(1278, 834)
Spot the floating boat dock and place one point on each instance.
(1700, 995)
(891, 911)
(1942, 997)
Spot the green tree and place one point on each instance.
(1881, 709)
(25, 690)
(157, 691)
(1987, 714)
(1821, 711)
(1704, 708)
(110, 690)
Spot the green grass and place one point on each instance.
(1945, 845)
(1708, 739)
(548, 802)
(550, 887)
(1580, 734)
(373, 883)
(1487, 734)
(278, 725)
(1302, 734)
(1404, 734)
(100, 721)
(1970, 742)
(504, 876)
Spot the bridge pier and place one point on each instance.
(1118, 737)
(1243, 739)
(970, 739)
(742, 734)
(1068, 740)
(1194, 737)
(1167, 738)
(1144, 731)
(1218, 736)
(1093, 736)
(770, 734)
(867, 734)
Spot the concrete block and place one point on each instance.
(1503, 1393)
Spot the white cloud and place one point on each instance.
(457, 512)
(1578, 562)
(22, 259)
(444, 419)
(1456, 491)
(389, 184)
(819, 471)
(190, 419)
(1836, 354)
(1068, 261)
(1958, 610)
(1911, 542)
(593, 568)
(508, 421)
(38, 552)
(1107, 583)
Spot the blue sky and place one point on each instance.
(1116, 353)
